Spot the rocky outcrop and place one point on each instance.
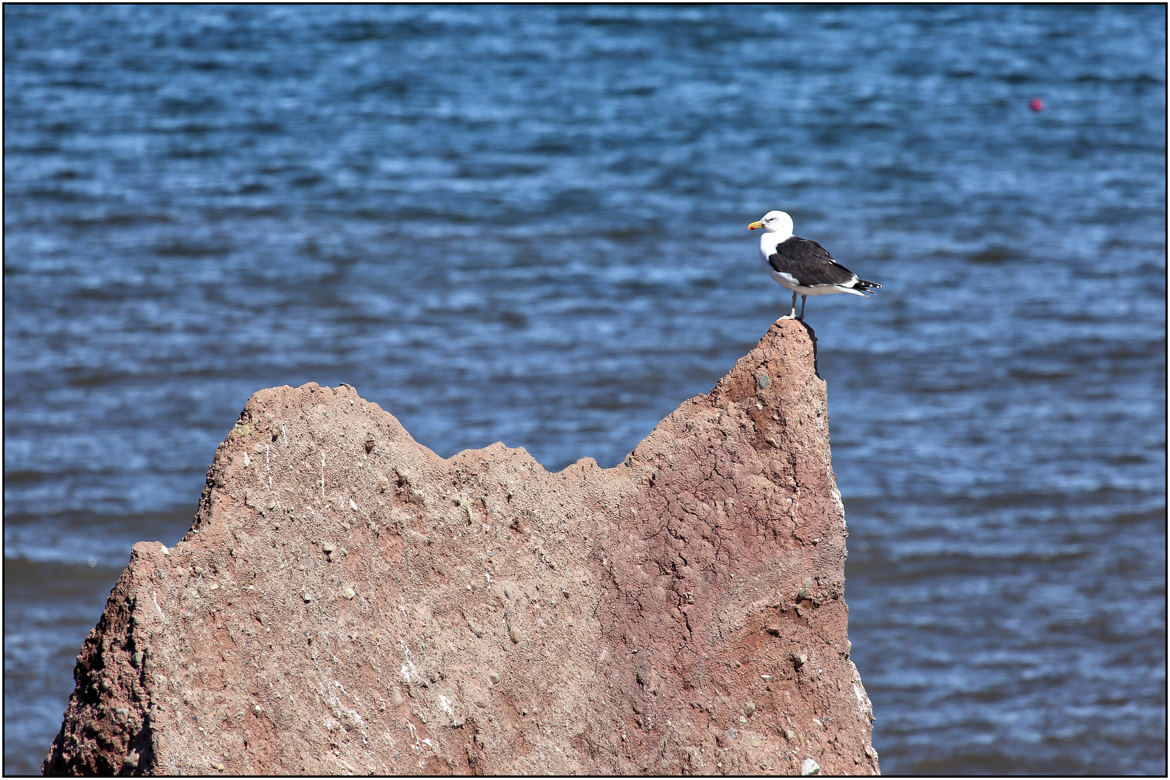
(347, 601)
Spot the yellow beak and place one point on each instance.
(755, 226)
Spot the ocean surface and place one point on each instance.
(528, 224)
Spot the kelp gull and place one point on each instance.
(803, 266)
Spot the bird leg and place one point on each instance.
(792, 314)
(803, 301)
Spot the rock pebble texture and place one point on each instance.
(347, 601)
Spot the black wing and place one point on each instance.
(809, 263)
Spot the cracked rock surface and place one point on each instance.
(347, 601)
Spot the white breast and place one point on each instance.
(768, 243)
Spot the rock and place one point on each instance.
(504, 619)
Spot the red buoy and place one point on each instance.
(1036, 104)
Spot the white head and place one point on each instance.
(774, 222)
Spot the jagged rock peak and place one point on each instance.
(347, 601)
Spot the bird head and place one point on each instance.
(774, 222)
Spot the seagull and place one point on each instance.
(803, 266)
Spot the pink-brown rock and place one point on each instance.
(347, 601)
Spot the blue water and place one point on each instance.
(527, 224)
